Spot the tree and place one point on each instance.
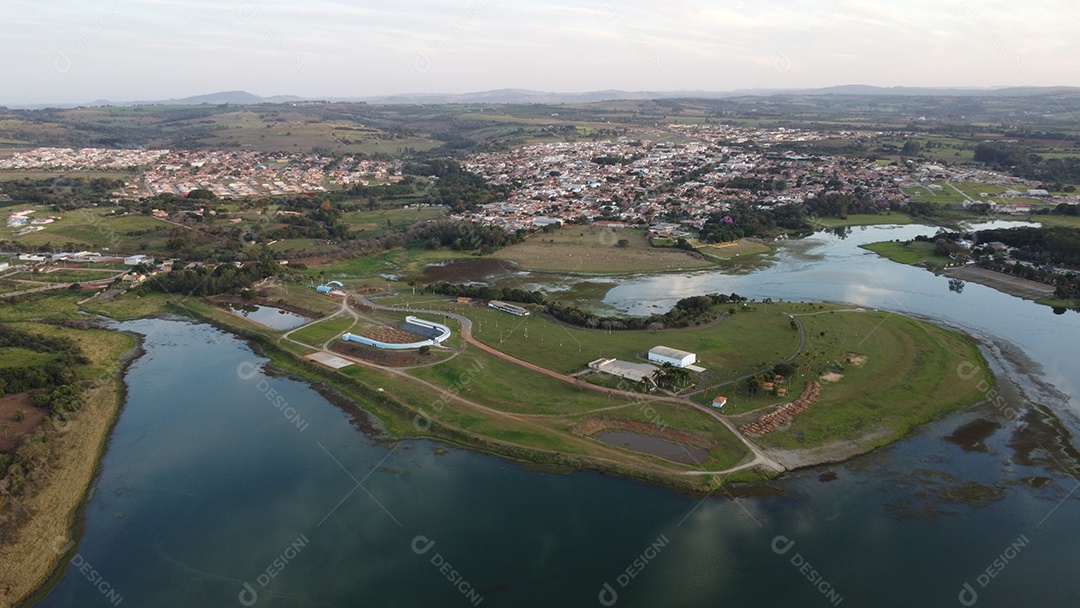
(941, 247)
(911, 148)
(671, 377)
(201, 194)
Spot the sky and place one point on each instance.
(79, 51)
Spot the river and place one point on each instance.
(223, 486)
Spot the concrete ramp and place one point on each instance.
(331, 361)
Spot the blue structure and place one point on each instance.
(330, 286)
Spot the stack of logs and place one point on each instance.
(785, 413)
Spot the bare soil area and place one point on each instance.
(1015, 286)
(12, 429)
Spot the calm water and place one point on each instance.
(274, 318)
(215, 471)
(654, 445)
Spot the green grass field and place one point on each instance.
(12, 356)
(89, 228)
(910, 253)
(509, 388)
(739, 344)
(910, 377)
(367, 268)
(1054, 219)
(591, 249)
(374, 223)
(319, 332)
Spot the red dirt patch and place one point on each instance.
(11, 430)
(392, 336)
(785, 413)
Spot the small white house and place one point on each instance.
(678, 358)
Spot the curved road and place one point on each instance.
(760, 457)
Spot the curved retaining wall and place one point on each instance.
(444, 333)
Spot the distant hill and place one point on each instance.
(528, 96)
(525, 96)
(223, 97)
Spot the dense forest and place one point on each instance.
(1055, 245)
(62, 193)
(204, 281)
(1015, 158)
(454, 186)
(742, 220)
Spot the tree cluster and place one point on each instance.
(454, 186)
(694, 310)
(1057, 245)
(742, 220)
(62, 193)
(204, 281)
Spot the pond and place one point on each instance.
(274, 318)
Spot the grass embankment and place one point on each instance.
(909, 377)
(69, 453)
(914, 252)
(736, 249)
(591, 249)
(318, 332)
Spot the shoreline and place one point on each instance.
(326, 381)
(35, 560)
(1005, 283)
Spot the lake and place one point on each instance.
(225, 486)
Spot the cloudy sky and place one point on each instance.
(70, 51)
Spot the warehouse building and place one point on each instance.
(678, 358)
